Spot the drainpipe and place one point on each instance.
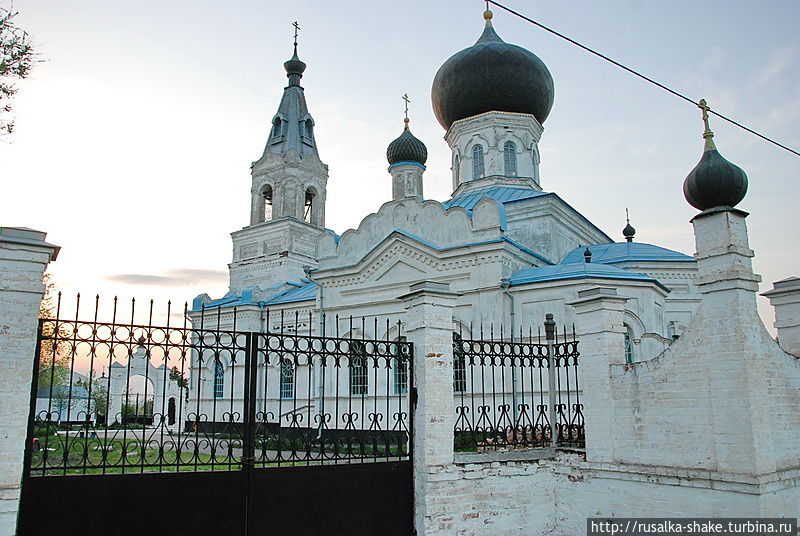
(505, 284)
(318, 371)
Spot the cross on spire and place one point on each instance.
(407, 100)
(296, 30)
(627, 216)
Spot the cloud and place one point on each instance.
(779, 61)
(177, 277)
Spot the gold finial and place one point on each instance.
(407, 100)
(488, 15)
(707, 134)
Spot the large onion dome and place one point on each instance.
(492, 75)
(714, 182)
(407, 148)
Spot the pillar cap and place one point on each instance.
(790, 285)
(598, 293)
(429, 288)
(29, 237)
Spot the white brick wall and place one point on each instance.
(23, 258)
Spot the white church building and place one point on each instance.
(511, 249)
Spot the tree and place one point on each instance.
(16, 59)
(54, 364)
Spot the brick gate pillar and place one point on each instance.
(24, 255)
(600, 316)
(429, 326)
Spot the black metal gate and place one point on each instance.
(219, 431)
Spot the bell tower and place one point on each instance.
(287, 196)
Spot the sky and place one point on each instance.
(136, 129)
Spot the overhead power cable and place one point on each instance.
(640, 75)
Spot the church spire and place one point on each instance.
(293, 126)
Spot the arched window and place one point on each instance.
(478, 169)
(457, 167)
(459, 365)
(309, 205)
(400, 368)
(307, 130)
(628, 344)
(358, 369)
(510, 159)
(287, 379)
(266, 193)
(219, 379)
(277, 127)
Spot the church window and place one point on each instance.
(510, 159)
(219, 379)
(628, 344)
(287, 379)
(308, 207)
(457, 167)
(277, 129)
(266, 193)
(400, 369)
(307, 128)
(358, 368)
(478, 169)
(459, 365)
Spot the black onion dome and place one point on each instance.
(492, 75)
(714, 182)
(629, 232)
(406, 148)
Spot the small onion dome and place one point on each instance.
(628, 232)
(714, 182)
(294, 65)
(407, 148)
(492, 75)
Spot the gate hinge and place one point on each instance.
(414, 397)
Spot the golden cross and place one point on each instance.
(405, 98)
(703, 105)
(296, 29)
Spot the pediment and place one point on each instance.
(399, 271)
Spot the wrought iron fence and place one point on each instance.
(510, 390)
(122, 396)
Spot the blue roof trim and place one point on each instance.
(577, 270)
(407, 162)
(336, 237)
(527, 250)
(618, 252)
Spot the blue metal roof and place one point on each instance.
(305, 290)
(308, 291)
(626, 251)
(577, 270)
(501, 194)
